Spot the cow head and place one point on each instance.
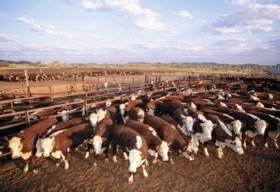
(97, 144)
(151, 111)
(163, 151)
(135, 156)
(235, 145)
(64, 115)
(16, 145)
(93, 119)
(108, 103)
(135, 159)
(100, 114)
(260, 126)
(39, 150)
(47, 146)
(236, 126)
(122, 109)
(207, 128)
(188, 123)
(140, 116)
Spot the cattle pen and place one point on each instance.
(257, 170)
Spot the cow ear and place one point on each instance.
(169, 144)
(215, 125)
(104, 139)
(183, 116)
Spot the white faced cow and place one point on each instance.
(132, 143)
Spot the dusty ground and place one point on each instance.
(256, 170)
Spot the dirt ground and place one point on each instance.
(256, 170)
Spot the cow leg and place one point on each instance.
(130, 179)
(275, 143)
(253, 142)
(125, 155)
(145, 174)
(205, 150)
(88, 150)
(94, 159)
(26, 166)
(265, 138)
(186, 155)
(156, 158)
(106, 151)
(33, 165)
(64, 158)
(220, 152)
(114, 150)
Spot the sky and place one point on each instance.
(156, 31)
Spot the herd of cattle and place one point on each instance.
(36, 77)
(180, 122)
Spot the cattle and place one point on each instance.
(135, 113)
(188, 123)
(102, 137)
(222, 137)
(234, 125)
(202, 130)
(23, 145)
(168, 133)
(168, 108)
(263, 110)
(252, 125)
(155, 144)
(273, 127)
(54, 129)
(132, 143)
(64, 125)
(153, 107)
(59, 144)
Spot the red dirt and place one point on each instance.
(256, 170)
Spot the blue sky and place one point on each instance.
(121, 31)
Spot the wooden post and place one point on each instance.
(27, 83)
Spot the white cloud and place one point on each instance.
(41, 28)
(252, 17)
(184, 14)
(142, 18)
(91, 5)
(7, 38)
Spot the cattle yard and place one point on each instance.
(257, 169)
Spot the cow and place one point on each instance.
(222, 137)
(153, 107)
(23, 145)
(155, 144)
(168, 133)
(202, 130)
(273, 127)
(102, 137)
(59, 144)
(234, 125)
(132, 143)
(251, 124)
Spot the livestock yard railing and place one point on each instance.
(16, 112)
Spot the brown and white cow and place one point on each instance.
(234, 125)
(102, 137)
(273, 127)
(202, 130)
(59, 144)
(23, 145)
(132, 143)
(155, 144)
(222, 137)
(252, 125)
(168, 133)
